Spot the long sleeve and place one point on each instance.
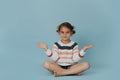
(77, 55)
(53, 54)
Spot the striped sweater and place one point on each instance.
(65, 54)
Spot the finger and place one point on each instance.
(39, 44)
(92, 45)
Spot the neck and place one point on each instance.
(65, 41)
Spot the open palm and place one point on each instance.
(42, 45)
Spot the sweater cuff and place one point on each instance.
(82, 52)
(48, 52)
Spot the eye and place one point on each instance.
(62, 32)
(67, 32)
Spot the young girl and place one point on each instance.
(65, 53)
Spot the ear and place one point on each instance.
(71, 33)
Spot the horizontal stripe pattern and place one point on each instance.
(65, 47)
(65, 52)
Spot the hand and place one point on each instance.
(88, 46)
(42, 45)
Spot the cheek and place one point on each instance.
(69, 35)
(60, 34)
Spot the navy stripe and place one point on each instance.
(65, 47)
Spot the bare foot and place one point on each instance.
(56, 74)
(60, 72)
(78, 74)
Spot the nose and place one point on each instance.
(64, 34)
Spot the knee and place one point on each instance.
(87, 65)
(46, 64)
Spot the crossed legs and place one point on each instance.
(58, 71)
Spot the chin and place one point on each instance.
(65, 39)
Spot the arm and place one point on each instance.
(78, 55)
(52, 54)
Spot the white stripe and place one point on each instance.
(65, 60)
(68, 55)
(65, 50)
(69, 44)
(76, 47)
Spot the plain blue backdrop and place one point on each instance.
(23, 23)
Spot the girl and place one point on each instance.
(65, 53)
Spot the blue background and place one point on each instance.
(23, 23)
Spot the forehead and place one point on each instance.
(64, 28)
